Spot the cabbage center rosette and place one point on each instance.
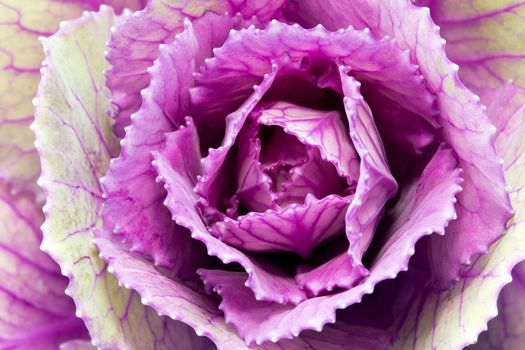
(280, 155)
(288, 170)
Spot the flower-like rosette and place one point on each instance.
(271, 175)
(266, 166)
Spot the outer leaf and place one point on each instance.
(35, 311)
(506, 331)
(453, 319)
(75, 143)
(230, 286)
(485, 38)
(22, 22)
(247, 55)
(171, 298)
(135, 43)
(506, 106)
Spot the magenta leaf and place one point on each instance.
(403, 132)
(483, 205)
(209, 186)
(158, 24)
(36, 311)
(322, 129)
(454, 318)
(254, 186)
(430, 211)
(248, 54)
(282, 149)
(337, 272)
(338, 336)
(316, 177)
(297, 228)
(376, 184)
(181, 201)
(133, 207)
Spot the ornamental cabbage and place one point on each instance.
(297, 174)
